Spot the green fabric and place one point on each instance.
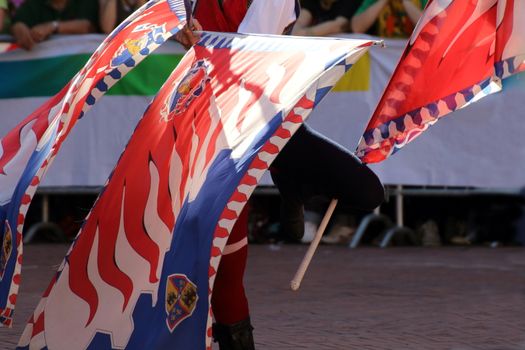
(5, 27)
(33, 12)
(367, 3)
(46, 76)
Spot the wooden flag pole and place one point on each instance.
(296, 281)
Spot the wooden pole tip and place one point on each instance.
(294, 285)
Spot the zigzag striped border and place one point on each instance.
(510, 66)
(33, 334)
(388, 138)
(6, 314)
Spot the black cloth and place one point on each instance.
(344, 8)
(124, 11)
(33, 12)
(311, 164)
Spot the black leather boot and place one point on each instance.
(237, 336)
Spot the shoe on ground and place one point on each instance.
(339, 234)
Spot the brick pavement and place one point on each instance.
(397, 298)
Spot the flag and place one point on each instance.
(141, 271)
(27, 151)
(38, 74)
(6, 47)
(459, 52)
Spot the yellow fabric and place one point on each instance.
(357, 78)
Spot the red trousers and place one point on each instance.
(228, 301)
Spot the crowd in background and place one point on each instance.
(33, 21)
(384, 18)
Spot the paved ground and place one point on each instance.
(398, 298)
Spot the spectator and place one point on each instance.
(113, 12)
(324, 17)
(387, 18)
(36, 20)
(3, 15)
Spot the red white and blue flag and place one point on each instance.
(459, 52)
(6, 47)
(141, 271)
(28, 150)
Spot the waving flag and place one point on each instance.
(6, 47)
(141, 271)
(459, 52)
(27, 151)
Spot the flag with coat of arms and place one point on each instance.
(141, 271)
(28, 150)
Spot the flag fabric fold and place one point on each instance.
(28, 150)
(6, 47)
(459, 52)
(141, 271)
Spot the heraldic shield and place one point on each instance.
(181, 299)
(7, 248)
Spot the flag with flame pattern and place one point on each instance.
(141, 271)
(28, 150)
(459, 52)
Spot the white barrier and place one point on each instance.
(480, 146)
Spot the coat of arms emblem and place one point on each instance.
(7, 248)
(189, 88)
(181, 299)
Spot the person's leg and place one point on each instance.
(229, 303)
(291, 203)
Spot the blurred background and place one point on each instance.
(460, 184)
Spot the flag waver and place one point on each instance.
(27, 151)
(459, 52)
(141, 270)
